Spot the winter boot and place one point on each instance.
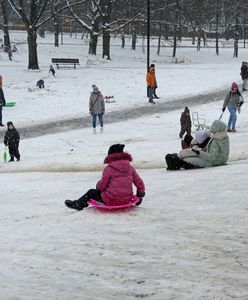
(233, 130)
(229, 130)
(77, 204)
(11, 159)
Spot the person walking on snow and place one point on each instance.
(11, 140)
(96, 107)
(116, 184)
(2, 103)
(51, 69)
(151, 83)
(244, 75)
(185, 121)
(156, 85)
(233, 101)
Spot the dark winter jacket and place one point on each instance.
(12, 138)
(2, 99)
(118, 178)
(185, 120)
(244, 71)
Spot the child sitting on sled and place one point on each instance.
(115, 186)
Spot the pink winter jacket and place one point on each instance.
(117, 179)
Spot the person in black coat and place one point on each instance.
(185, 121)
(2, 103)
(244, 75)
(12, 139)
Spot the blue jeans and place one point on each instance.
(150, 93)
(100, 117)
(233, 117)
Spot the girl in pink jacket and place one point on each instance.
(116, 184)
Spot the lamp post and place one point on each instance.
(148, 34)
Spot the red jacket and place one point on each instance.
(118, 178)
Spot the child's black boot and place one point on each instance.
(77, 204)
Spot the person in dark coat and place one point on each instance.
(11, 140)
(51, 69)
(244, 75)
(40, 83)
(185, 121)
(2, 103)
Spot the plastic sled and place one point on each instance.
(10, 104)
(103, 206)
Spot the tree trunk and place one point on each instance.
(159, 44)
(56, 31)
(32, 50)
(106, 44)
(93, 44)
(123, 40)
(134, 40)
(217, 29)
(6, 27)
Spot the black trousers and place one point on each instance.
(175, 163)
(14, 151)
(94, 194)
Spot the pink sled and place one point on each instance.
(103, 206)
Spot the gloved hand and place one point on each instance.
(223, 109)
(197, 152)
(240, 104)
(140, 195)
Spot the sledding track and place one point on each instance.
(161, 106)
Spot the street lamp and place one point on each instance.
(148, 34)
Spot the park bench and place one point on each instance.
(65, 62)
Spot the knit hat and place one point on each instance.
(116, 148)
(10, 123)
(201, 136)
(186, 110)
(95, 88)
(235, 86)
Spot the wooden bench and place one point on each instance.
(66, 62)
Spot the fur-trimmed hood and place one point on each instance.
(119, 161)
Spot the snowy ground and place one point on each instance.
(188, 240)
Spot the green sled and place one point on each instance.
(10, 104)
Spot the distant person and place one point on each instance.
(116, 185)
(233, 101)
(14, 49)
(244, 75)
(51, 70)
(151, 84)
(11, 140)
(10, 54)
(156, 84)
(96, 107)
(2, 103)
(40, 83)
(186, 123)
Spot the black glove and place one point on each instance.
(140, 195)
(240, 104)
(223, 109)
(196, 151)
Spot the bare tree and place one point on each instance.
(5, 24)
